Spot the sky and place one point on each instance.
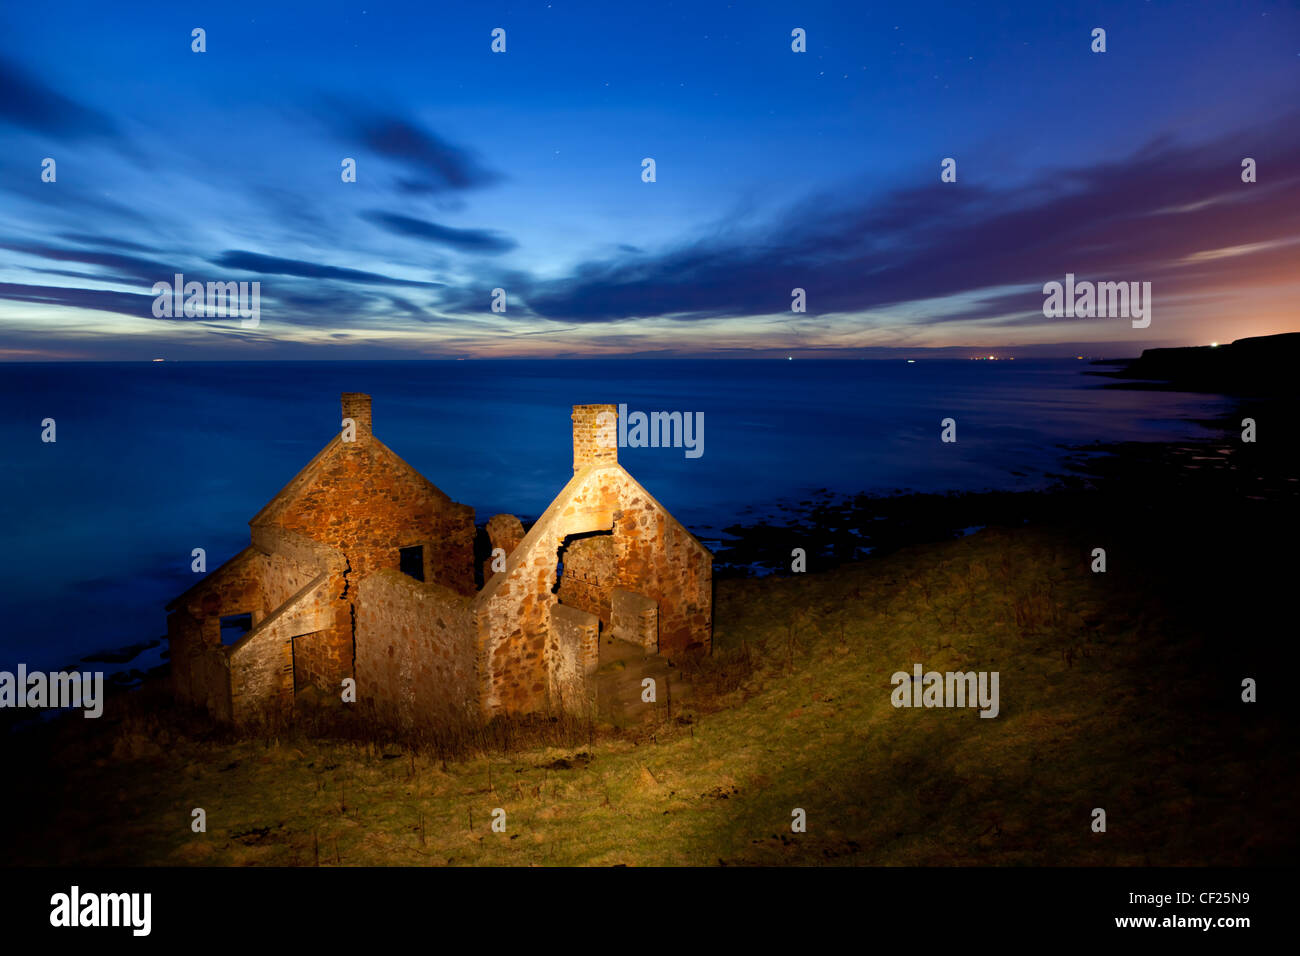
(522, 170)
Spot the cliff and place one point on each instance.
(1262, 365)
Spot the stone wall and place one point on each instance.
(300, 549)
(367, 504)
(261, 664)
(635, 618)
(659, 558)
(573, 654)
(359, 498)
(449, 557)
(513, 611)
(343, 518)
(282, 577)
(261, 680)
(356, 406)
(511, 616)
(415, 652)
(200, 672)
(210, 682)
(318, 663)
(589, 574)
(289, 592)
(234, 588)
(595, 436)
(653, 556)
(328, 600)
(504, 532)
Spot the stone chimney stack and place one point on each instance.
(595, 436)
(356, 406)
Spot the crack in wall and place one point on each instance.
(352, 612)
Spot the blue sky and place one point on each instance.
(522, 171)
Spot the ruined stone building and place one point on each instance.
(360, 567)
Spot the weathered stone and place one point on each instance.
(574, 655)
(504, 532)
(322, 583)
(635, 618)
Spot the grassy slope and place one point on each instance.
(1103, 704)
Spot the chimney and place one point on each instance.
(595, 436)
(356, 406)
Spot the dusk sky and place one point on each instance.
(522, 170)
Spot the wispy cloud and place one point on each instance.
(28, 103)
(125, 303)
(430, 163)
(927, 241)
(275, 265)
(146, 270)
(480, 241)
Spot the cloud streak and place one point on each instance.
(276, 265)
(479, 241)
(29, 104)
(430, 163)
(924, 242)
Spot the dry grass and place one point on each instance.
(1104, 703)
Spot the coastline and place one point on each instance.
(839, 528)
(1099, 674)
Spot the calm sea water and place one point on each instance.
(155, 459)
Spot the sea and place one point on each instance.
(152, 460)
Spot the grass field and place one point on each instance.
(1108, 698)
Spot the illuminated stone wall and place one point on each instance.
(415, 653)
(323, 584)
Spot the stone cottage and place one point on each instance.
(362, 568)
